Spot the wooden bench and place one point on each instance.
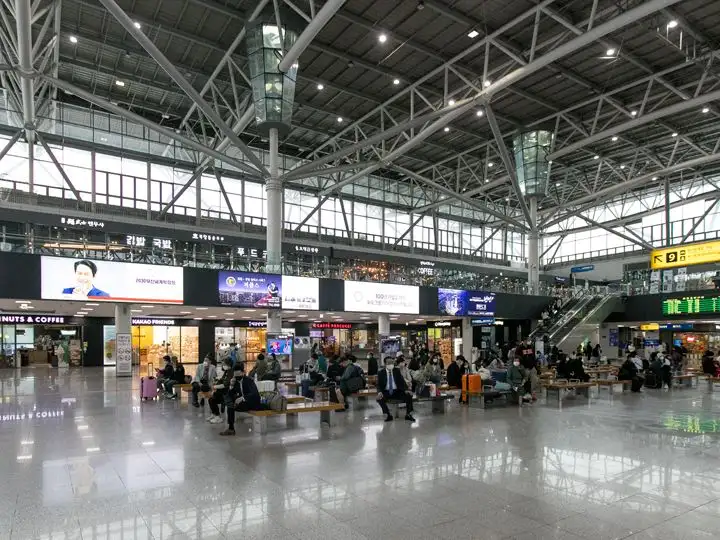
(480, 399)
(686, 379)
(555, 389)
(183, 389)
(326, 410)
(438, 403)
(611, 384)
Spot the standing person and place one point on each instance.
(372, 364)
(242, 396)
(391, 385)
(260, 369)
(596, 353)
(588, 351)
(220, 390)
(274, 369)
(205, 373)
(529, 362)
(234, 354)
(518, 381)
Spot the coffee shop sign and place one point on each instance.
(32, 319)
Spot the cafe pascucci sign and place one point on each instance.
(32, 319)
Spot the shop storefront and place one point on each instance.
(445, 338)
(40, 339)
(249, 336)
(338, 338)
(154, 338)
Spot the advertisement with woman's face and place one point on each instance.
(85, 279)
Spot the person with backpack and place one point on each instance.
(629, 372)
(242, 396)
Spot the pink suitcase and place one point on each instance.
(148, 385)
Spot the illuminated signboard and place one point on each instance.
(691, 305)
(704, 252)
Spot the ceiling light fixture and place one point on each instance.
(706, 110)
(479, 113)
(654, 178)
(490, 164)
(420, 5)
(473, 34)
(633, 113)
(610, 52)
(487, 83)
(614, 138)
(340, 119)
(119, 83)
(622, 166)
(672, 24)
(73, 39)
(382, 38)
(137, 25)
(320, 86)
(596, 157)
(675, 134)
(451, 102)
(446, 129)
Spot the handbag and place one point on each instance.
(278, 402)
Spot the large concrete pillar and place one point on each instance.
(533, 249)
(273, 190)
(123, 341)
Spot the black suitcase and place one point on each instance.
(652, 380)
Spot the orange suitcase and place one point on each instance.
(472, 383)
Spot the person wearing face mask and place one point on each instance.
(517, 379)
(432, 370)
(205, 373)
(219, 391)
(391, 385)
(401, 364)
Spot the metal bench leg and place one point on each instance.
(260, 424)
(291, 420)
(439, 406)
(327, 417)
(552, 394)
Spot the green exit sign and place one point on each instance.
(690, 305)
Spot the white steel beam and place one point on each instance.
(23, 19)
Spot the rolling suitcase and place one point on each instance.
(148, 386)
(471, 384)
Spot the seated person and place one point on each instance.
(178, 377)
(336, 369)
(432, 369)
(242, 396)
(165, 373)
(629, 372)
(204, 374)
(311, 368)
(391, 385)
(352, 380)
(496, 364)
(576, 370)
(219, 390)
(454, 373)
(274, 369)
(401, 364)
(561, 369)
(260, 369)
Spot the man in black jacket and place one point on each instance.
(391, 385)
(242, 396)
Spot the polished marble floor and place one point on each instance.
(84, 459)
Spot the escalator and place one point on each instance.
(583, 325)
(558, 319)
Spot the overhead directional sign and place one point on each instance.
(685, 255)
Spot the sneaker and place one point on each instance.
(216, 420)
(409, 418)
(227, 433)
(389, 418)
(207, 419)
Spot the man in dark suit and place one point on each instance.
(391, 385)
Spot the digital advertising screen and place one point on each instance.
(280, 345)
(300, 293)
(459, 303)
(250, 290)
(105, 281)
(368, 297)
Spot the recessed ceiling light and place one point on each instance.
(80, 314)
(479, 113)
(596, 157)
(320, 86)
(446, 129)
(473, 34)
(247, 310)
(136, 311)
(289, 312)
(94, 305)
(550, 162)
(186, 313)
(622, 166)
(197, 318)
(340, 119)
(706, 110)
(614, 138)
(491, 164)
(507, 199)
(654, 178)
(22, 301)
(119, 83)
(147, 306)
(73, 39)
(610, 52)
(487, 83)
(672, 24)
(396, 81)
(137, 24)
(212, 316)
(633, 113)
(675, 134)
(228, 314)
(451, 102)
(382, 38)
(557, 184)
(165, 116)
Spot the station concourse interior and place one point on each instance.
(359, 269)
